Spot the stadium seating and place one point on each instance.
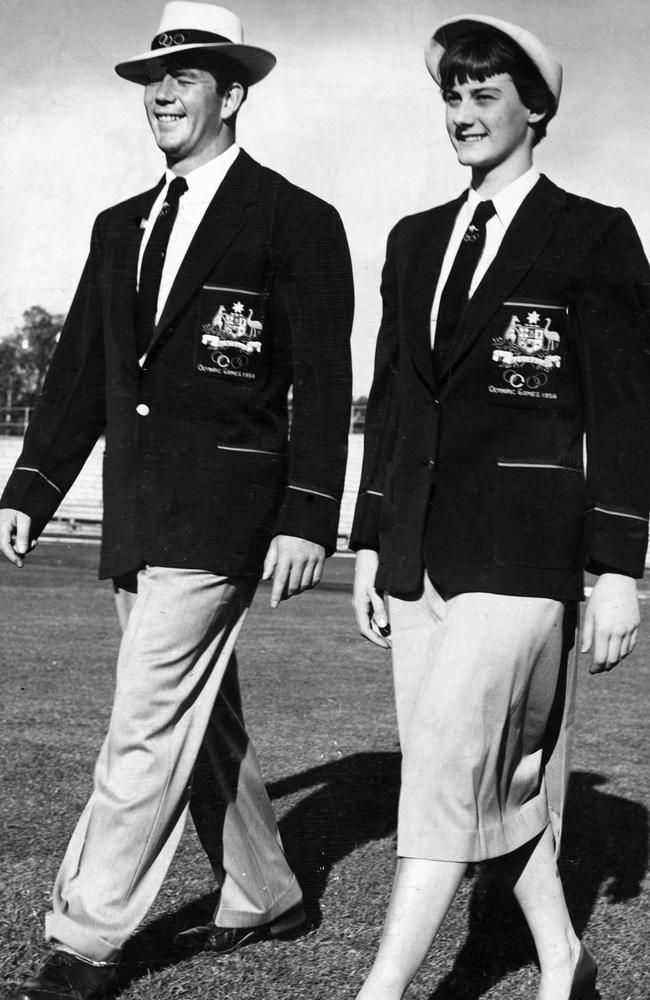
(80, 512)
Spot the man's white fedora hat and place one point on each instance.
(186, 27)
(451, 29)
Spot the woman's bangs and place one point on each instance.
(475, 63)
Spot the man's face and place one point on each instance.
(185, 114)
(487, 123)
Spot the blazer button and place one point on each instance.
(142, 409)
(430, 463)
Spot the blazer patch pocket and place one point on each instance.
(230, 341)
(526, 364)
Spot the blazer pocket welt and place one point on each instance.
(241, 450)
(538, 515)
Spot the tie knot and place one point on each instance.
(176, 188)
(483, 213)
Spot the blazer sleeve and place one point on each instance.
(381, 415)
(316, 302)
(613, 315)
(70, 413)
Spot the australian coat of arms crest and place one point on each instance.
(527, 358)
(231, 333)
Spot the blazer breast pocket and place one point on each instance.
(538, 515)
(231, 340)
(526, 364)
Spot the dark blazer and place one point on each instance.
(480, 477)
(199, 470)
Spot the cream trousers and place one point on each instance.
(177, 645)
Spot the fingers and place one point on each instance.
(371, 618)
(631, 641)
(369, 608)
(609, 648)
(311, 574)
(295, 564)
(611, 621)
(280, 575)
(587, 630)
(15, 529)
(294, 575)
(6, 546)
(270, 560)
(23, 527)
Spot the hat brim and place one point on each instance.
(150, 66)
(453, 28)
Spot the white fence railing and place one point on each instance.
(14, 419)
(81, 510)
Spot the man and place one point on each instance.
(515, 325)
(202, 303)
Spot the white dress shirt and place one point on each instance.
(202, 185)
(506, 204)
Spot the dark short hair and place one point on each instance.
(479, 55)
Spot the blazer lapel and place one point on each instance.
(223, 220)
(526, 237)
(420, 286)
(127, 236)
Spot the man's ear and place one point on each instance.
(232, 101)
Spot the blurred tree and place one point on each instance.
(25, 356)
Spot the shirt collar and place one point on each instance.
(508, 201)
(203, 182)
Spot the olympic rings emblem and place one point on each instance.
(223, 361)
(170, 38)
(514, 379)
(517, 381)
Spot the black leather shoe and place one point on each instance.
(223, 940)
(66, 977)
(584, 977)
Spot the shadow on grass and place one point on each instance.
(151, 948)
(605, 847)
(354, 801)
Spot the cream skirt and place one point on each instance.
(484, 688)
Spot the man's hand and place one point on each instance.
(295, 565)
(15, 529)
(369, 608)
(611, 623)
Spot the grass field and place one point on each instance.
(319, 707)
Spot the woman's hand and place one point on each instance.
(369, 608)
(611, 623)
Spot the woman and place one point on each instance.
(513, 326)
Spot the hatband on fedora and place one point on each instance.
(549, 68)
(186, 26)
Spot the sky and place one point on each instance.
(349, 113)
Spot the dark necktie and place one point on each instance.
(152, 265)
(456, 291)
